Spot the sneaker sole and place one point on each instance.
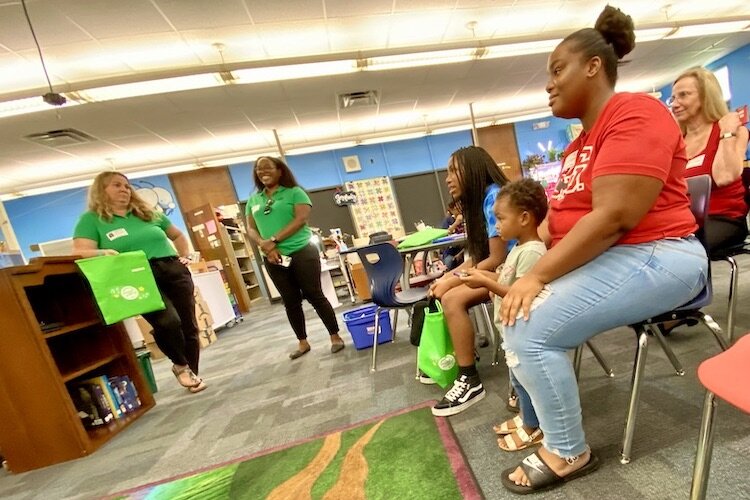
(428, 381)
(447, 412)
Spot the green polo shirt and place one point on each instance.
(127, 234)
(280, 215)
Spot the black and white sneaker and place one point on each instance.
(465, 392)
(424, 379)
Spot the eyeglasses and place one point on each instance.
(267, 210)
(679, 96)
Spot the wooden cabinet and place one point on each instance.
(53, 338)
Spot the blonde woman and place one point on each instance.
(716, 142)
(118, 220)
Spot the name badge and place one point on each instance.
(696, 162)
(117, 233)
(255, 208)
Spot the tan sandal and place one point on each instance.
(504, 429)
(198, 388)
(185, 376)
(507, 443)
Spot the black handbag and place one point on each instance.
(417, 319)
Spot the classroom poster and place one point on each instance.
(376, 208)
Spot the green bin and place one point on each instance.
(144, 359)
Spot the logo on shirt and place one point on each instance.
(570, 176)
(117, 233)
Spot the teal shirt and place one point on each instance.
(127, 234)
(281, 213)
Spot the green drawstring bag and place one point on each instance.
(123, 285)
(436, 357)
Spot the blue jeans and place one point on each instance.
(624, 285)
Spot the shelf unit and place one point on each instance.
(240, 243)
(223, 239)
(39, 370)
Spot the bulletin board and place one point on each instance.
(376, 208)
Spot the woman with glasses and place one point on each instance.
(277, 216)
(716, 142)
(620, 236)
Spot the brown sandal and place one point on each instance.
(504, 429)
(507, 443)
(185, 376)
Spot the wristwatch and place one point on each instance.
(727, 135)
(275, 240)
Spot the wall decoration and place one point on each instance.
(344, 198)
(157, 197)
(376, 208)
(351, 163)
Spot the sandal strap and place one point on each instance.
(538, 472)
(517, 421)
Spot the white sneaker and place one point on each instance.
(424, 379)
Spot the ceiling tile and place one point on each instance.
(115, 18)
(50, 25)
(198, 14)
(263, 11)
(347, 8)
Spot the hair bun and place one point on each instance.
(618, 30)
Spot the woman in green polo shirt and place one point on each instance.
(277, 222)
(118, 220)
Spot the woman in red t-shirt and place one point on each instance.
(716, 143)
(621, 235)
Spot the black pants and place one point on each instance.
(302, 280)
(722, 232)
(175, 328)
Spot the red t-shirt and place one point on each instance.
(727, 201)
(634, 134)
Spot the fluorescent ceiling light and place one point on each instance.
(295, 71)
(652, 34)
(394, 138)
(29, 105)
(521, 49)
(149, 87)
(420, 59)
(319, 148)
(709, 29)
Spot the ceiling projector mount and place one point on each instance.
(52, 98)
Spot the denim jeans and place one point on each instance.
(624, 285)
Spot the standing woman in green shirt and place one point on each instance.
(277, 222)
(118, 220)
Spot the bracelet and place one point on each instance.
(727, 135)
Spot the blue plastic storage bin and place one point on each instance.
(361, 325)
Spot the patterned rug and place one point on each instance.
(407, 454)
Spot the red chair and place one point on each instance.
(725, 376)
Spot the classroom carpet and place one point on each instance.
(380, 458)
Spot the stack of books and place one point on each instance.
(101, 400)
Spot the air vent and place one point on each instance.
(358, 99)
(60, 138)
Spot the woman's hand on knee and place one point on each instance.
(439, 287)
(519, 298)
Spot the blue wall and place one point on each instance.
(528, 139)
(53, 216)
(393, 159)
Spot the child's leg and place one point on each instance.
(524, 403)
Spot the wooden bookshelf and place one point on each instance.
(39, 370)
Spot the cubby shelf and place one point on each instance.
(39, 370)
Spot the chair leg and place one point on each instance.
(602, 362)
(373, 367)
(395, 325)
(494, 338)
(667, 350)
(702, 465)
(715, 329)
(732, 300)
(577, 355)
(638, 369)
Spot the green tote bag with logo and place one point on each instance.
(123, 285)
(436, 356)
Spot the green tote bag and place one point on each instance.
(123, 285)
(436, 356)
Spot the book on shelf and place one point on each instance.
(93, 408)
(126, 391)
(103, 382)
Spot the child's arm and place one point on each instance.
(478, 278)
